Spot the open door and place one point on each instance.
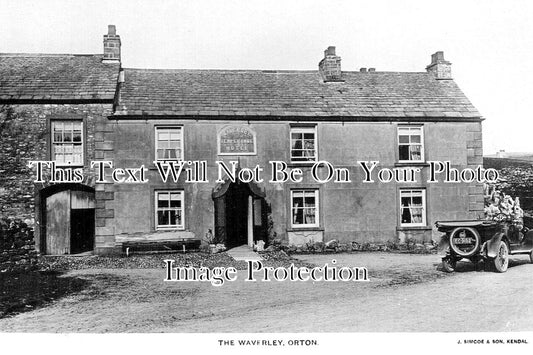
(69, 222)
(58, 223)
(240, 214)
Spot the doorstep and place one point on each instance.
(244, 252)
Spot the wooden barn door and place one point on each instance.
(58, 223)
(70, 222)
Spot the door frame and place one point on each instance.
(40, 203)
(220, 211)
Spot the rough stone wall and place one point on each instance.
(23, 139)
(17, 251)
(25, 132)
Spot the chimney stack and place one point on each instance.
(442, 69)
(111, 46)
(330, 66)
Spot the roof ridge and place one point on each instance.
(265, 71)
(43, 55)
(224, 70)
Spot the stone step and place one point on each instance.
(244, 252)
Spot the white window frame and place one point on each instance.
(304, 130)
(317, 209)
(180, 128)
(422, 192)
(54, 144)
(157, 209)
(411, 127)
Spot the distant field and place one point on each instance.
(513, 156)
(500, 163)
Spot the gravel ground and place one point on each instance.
(154, 261)
(405, 293)
(24, 292)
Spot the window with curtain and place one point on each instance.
(413, 207)
(303, 144)
(67, 142)
(410, 144)
(169, 209)
(304, 208)
(169, 143)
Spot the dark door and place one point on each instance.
(82, 230)
(236, 215)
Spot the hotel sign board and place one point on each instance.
(236, 140)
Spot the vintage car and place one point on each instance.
(491, 241)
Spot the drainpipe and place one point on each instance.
(250, 221)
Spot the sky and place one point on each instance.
(489, 43)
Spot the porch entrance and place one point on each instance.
(240, 214)
(69, 220)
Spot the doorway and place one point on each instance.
(69, 220)
(240, 214)
(82, 230)
(237, 215)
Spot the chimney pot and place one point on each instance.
(372, 69)
(362, 70)
(330, 66)
(111, 45)
(329, 51)
(439, 67)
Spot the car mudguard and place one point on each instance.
(493, 244)
(528, 240)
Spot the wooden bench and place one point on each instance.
(144, 246)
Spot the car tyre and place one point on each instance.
(501, 261)
(449, 264)
(531, 256)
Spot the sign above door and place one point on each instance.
(236, 140)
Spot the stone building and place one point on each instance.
(76, 109)
(56, 107)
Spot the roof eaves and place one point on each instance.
(335, 118)
(56, 101)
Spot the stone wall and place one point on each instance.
(354, 211)
(17, 251)
(474, 152)
(23, 139)
(25, 132)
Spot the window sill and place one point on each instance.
(410, 228)
(152, 166)
(170, 229)
(65, 166)
(303, 164)
(305, 229)
(411, 163)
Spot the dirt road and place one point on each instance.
(406, 293)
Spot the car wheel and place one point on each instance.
(531, 256)
(501, 261)
(449, 264)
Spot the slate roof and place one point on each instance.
(279, 94)
(56, 77)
